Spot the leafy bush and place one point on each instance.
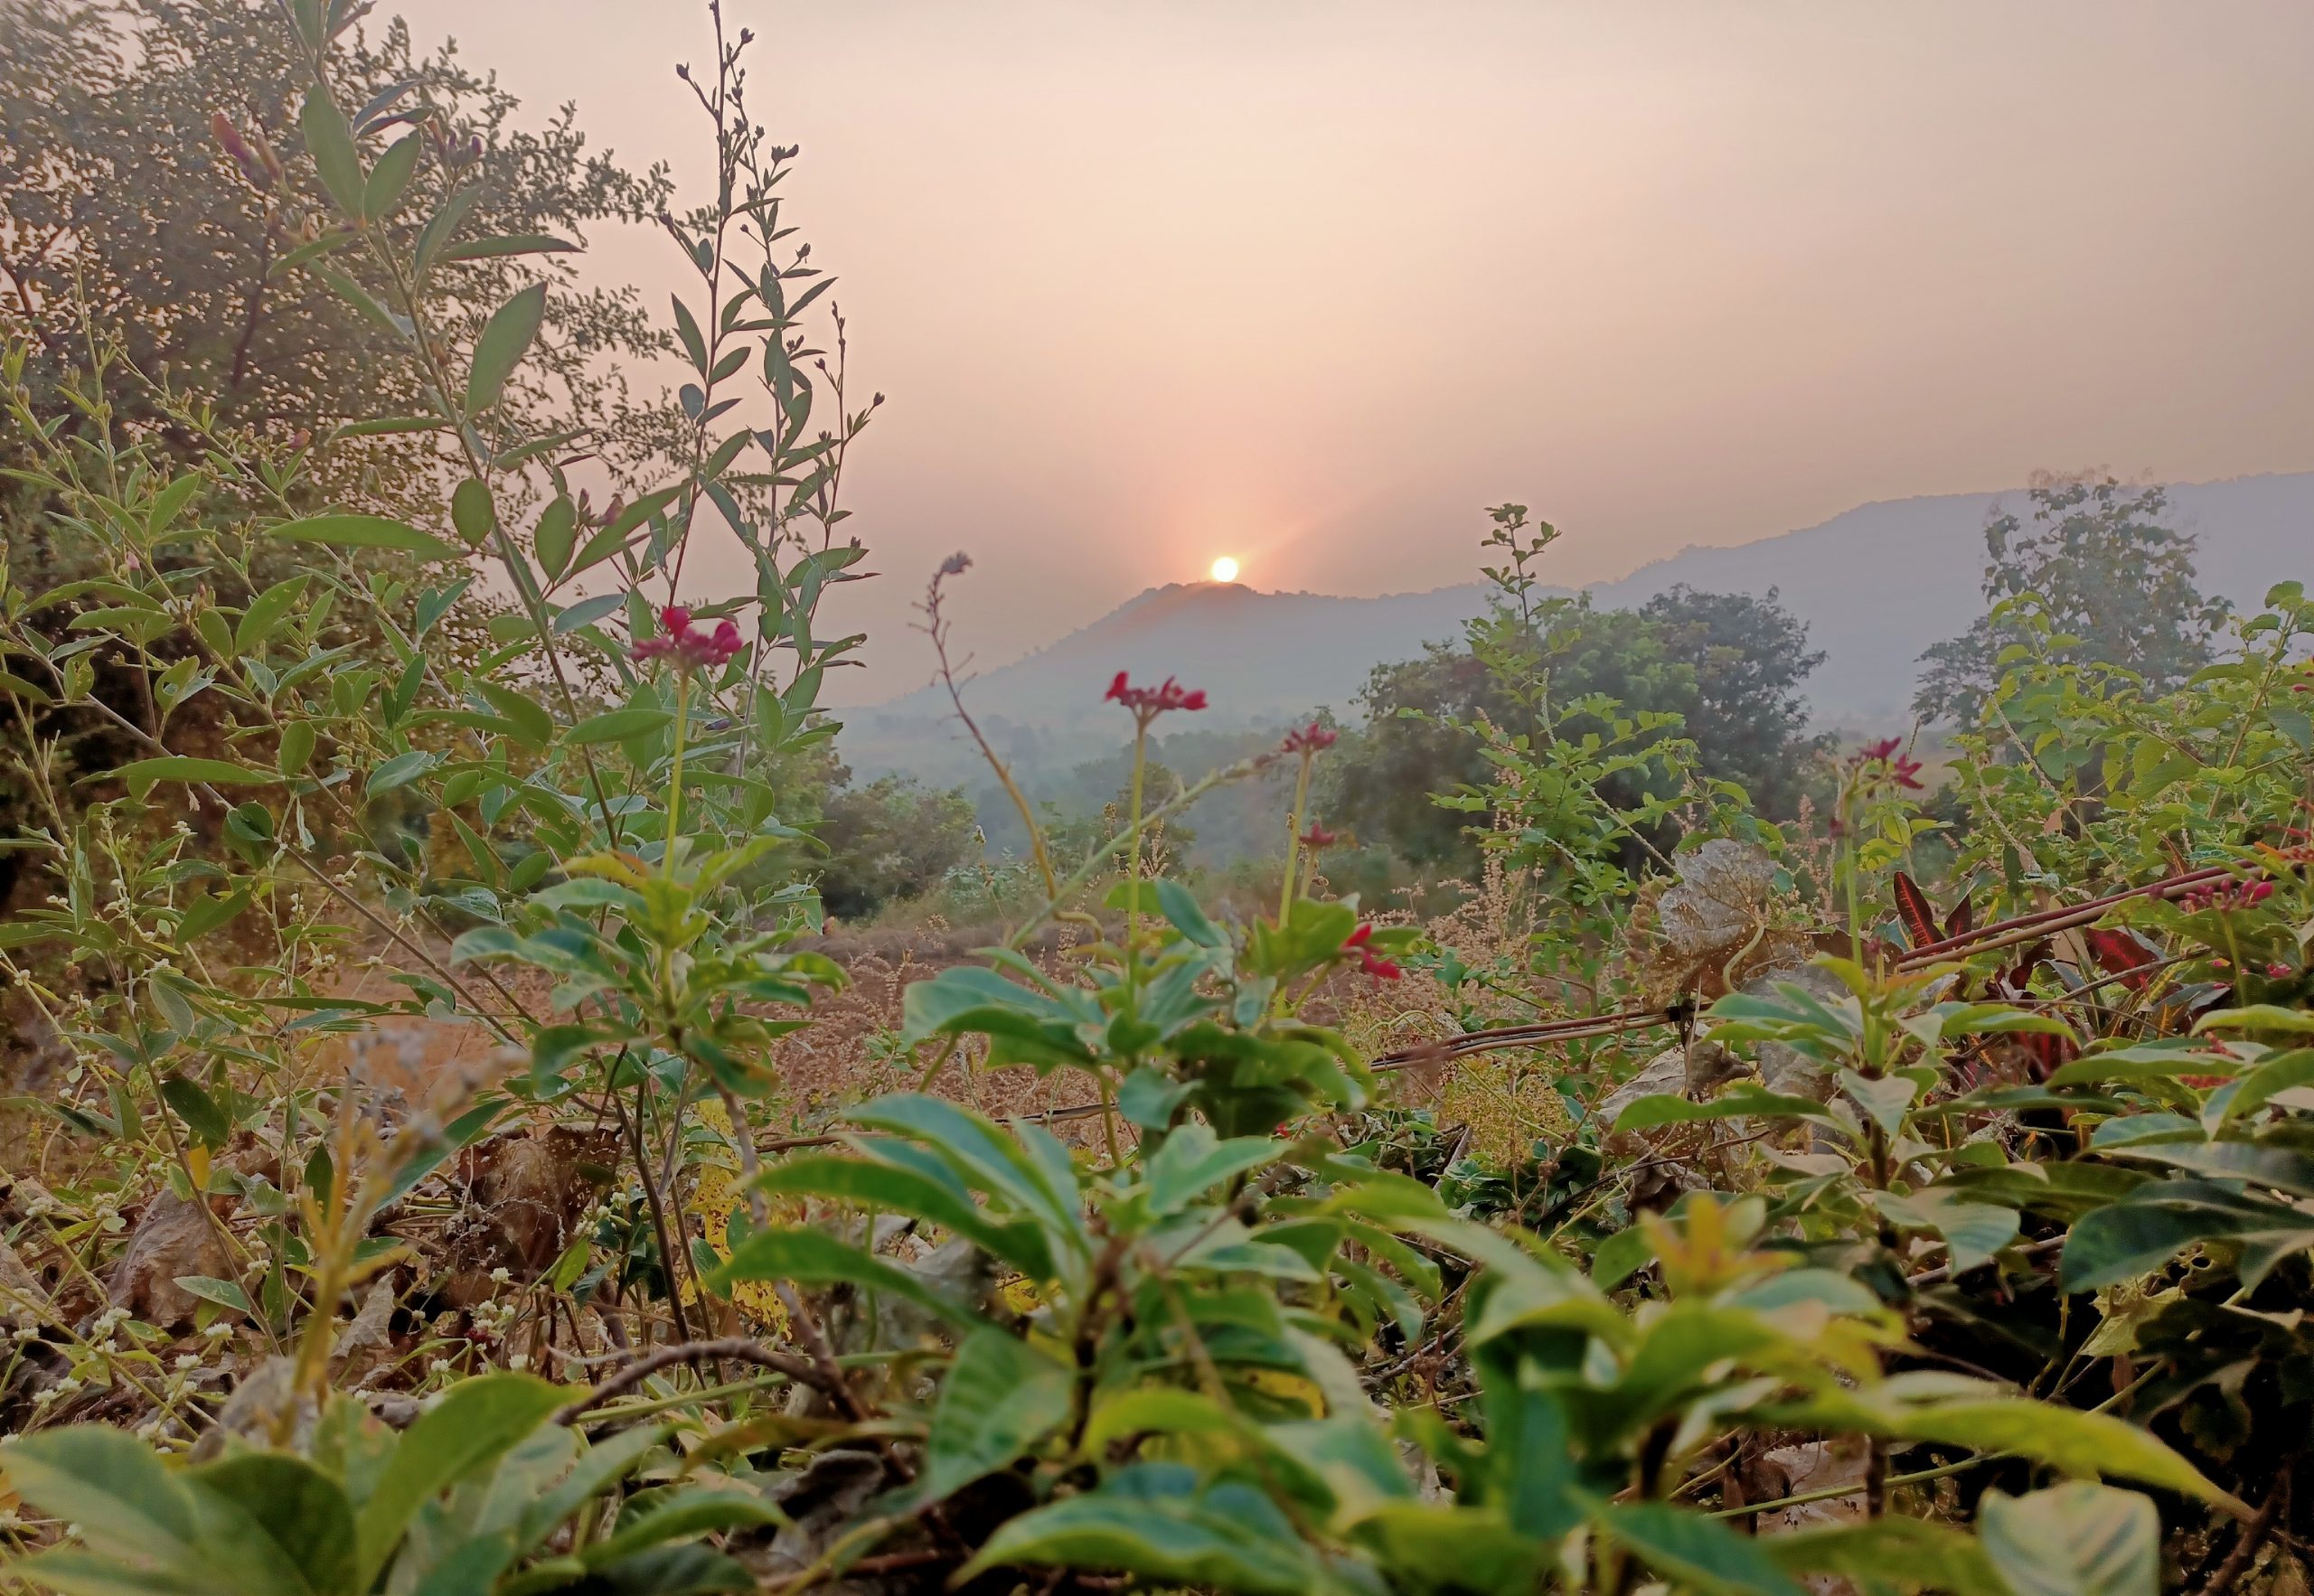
(1971, 1229)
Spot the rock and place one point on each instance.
(1666, 1072)
(174, 1238)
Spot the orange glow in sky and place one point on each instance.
(1674, 274)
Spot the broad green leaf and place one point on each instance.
(518, 244)
(1001, 1397)
(141, 774)
(1193, 1160)
(533, 724)
(2122, 1239)
(474, 1425)
(2075, 1539)
(558, 529)
(895, 1189)
(1153, 1521)
(813, 1257)
(391, 177)
(505, 340)
(1972, 1232)
(472, 510)
(302, 1510)
(330, 142)
(111, 1484)
(1695, 1551)
(1893, 1553)
(366, 531)
(265, 613)
(1740, 1102)
(222, 1292)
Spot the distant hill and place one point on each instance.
(1877, 586)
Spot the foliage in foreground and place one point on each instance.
(1989, 1246)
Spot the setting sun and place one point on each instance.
(1225, 569)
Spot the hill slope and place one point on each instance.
(1877, 586)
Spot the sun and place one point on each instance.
(1225, 569)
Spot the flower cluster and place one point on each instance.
(1149, 702)
(2228, 896)
(1373, 964)
(1309, 739)
(690, 649)
(1899, 767)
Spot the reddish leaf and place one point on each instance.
(2123, 952)
(1917, 913)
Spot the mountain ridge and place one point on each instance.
(1876, 583)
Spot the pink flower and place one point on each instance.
(1317, 836)
(1898, 767)
(2278, 971)
(1309, 739)
(1147, 703)
(687, 647)
(1379, 968)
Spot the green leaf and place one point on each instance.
(198, 1110)
(1739, 1101)
(142, 774)
(472, 512)
(1001, 1397)
(397, 772)
(893, 1189)
(598, 1468)
(558, 530)
(1152, 1520)
(533, 726)
(389, 177)
(693, 1512)
(265, 615)
(618, 725)
(2074, 1540)
(366, 531)
(474, 1425)
(1193, 1160)
(301, 1509)
(109, 1484)
(1972, 1232)
(2151, 1225)
(505, 340)
(225, 1293)
(1892, 1552)
(296, 747)
(1687, 1547)
(330, 142)
(516, 244)
(813, 1257)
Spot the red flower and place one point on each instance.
(1900, 768)
(1147, 703)
(2278, 971)
(1317, 836)
(1309, 739)
(1357, 938)
(689, 648)
(1381, 969)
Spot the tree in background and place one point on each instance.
(152, 184)
(1729, 664)
(891, 840)
(2113, 580)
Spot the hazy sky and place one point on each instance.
(1310, 283)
